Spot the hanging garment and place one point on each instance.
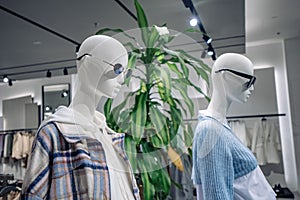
(70, 162)
(239, 128)
(223, 167)
(1, 144)
(265, 142)
(17, 148)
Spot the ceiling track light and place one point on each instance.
(210, 50)
(10, 82)
(65, 71)
(5, 79)
(207, 39)
(194, 21)
(48, 74)
(213, 57)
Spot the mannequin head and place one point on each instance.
(101, 61)
(232, 76)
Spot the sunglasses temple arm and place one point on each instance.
(108, 63)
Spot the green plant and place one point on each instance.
(152, 122)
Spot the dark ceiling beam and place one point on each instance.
(38, 25)
(126, 9)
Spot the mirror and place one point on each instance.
(55, 96)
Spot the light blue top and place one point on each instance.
(219, 158)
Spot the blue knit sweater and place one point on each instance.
(218, 159)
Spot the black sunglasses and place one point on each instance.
(251, 78)
(118, 68)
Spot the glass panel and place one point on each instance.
(55, 96)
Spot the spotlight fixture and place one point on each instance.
(48, 74)
(64, 93)
(207, 39)
(210, 51)
(193, 22)
(48, 108)
(5, 79)
(213, 57)
(65, 71)
(10, 82)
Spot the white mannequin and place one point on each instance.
(103, 171)
(228, 87)
(232, 81)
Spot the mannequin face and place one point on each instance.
(238, 88)
(101, 69)
(110, 87)
(233, 76)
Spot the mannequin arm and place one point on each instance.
(36, 182)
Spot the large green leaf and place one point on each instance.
(130, 66)
(157, 141)
(107, 107)
(139, 116)
(180, 58)
(148, 187)
(160, 123)
(165, 180)
(154, 36)
(174, 68)
(142, 21)
(199, 90)
(188, 136)
(164, 75)
(176, 117)
(181, 86)
(194, 59)
(184, 68)
(124, 121)
(130, 147)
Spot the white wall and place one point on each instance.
(29, 87)
(292, 47)
(271, 53)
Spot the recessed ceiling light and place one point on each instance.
(37, 42)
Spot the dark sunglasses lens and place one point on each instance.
(118, 68)
(251, 82)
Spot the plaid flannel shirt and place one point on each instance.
(65, 167)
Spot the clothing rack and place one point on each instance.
(245, 116)
(16, 130)
(256, 116)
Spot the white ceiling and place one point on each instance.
(231, 23)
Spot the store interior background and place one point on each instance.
(267, 31)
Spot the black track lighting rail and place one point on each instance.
(126, 9)
(36, 64)
(36, 71)
(189, 4)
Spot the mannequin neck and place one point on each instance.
(84, 104)
(218, 106)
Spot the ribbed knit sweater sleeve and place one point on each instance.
(214, 161)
